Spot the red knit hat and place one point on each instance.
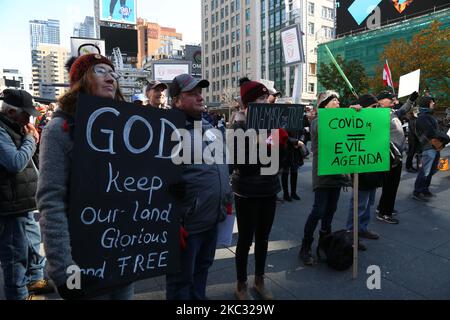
(252, 90)
(83, 63)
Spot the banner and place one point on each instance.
(353, 142)
(123, 222)
(274, 116)
(291, 40)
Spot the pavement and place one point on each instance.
(413, 256)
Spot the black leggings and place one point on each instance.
(254, 217)
(113, 4)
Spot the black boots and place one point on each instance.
(284, 183)
(305, 253)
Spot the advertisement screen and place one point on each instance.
(354, 16)
(119, 11)
(125, 39)
(165, 72)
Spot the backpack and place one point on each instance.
(337, 247)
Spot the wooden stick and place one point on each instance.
(355, 224)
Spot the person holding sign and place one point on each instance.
(368, 184)
(432, 141)
(255, 200)
(95, 75)
(327, 188)
(391, 178)
(204, 195)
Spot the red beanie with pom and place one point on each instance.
(82, 65)
(252, 90)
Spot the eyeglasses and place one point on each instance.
(101, 71)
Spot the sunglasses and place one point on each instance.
(102, 72)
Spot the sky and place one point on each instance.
(184, 15)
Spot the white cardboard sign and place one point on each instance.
(409, 83)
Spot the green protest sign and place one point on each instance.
(353, 142)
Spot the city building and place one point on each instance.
(243, 38)
(155, 40)
(85, 29)
(44, 32)
(50, 79)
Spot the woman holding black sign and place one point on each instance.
(255, 201)
(91, 74)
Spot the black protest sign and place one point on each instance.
(123, 223)
(274, 116)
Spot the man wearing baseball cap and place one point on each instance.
(155, 93)
(205, 198)
(20, 236)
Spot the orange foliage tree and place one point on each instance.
(429, 51)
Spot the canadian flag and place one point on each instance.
(387, 77)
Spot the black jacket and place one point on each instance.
(246, 179)
(17, 189)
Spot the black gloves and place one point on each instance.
(413, 97)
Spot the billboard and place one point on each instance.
(81, 46)
(194, 54)
(122, 12)
(354, 16)
(166, 71)
(125, 39)
(292, 45)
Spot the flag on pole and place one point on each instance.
(387, 76)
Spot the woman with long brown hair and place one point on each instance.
(90, 74)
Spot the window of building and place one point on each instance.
(248, 47)
(227, 39)
(247, 14)
(232, 6)
(263, 24)
(311, 28)
(206, 23)
(238, 20)
(238, 35)
(247, 30)
(238, 4)
(238, 66)
(327, 13)
(328, 32)
(222, 13)
(311, 8)
(206, 35)
(312, 68)
(232, 21)
(247, 2)
(311, 87)
(238, 50)
(263, 7)
(226, 11)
